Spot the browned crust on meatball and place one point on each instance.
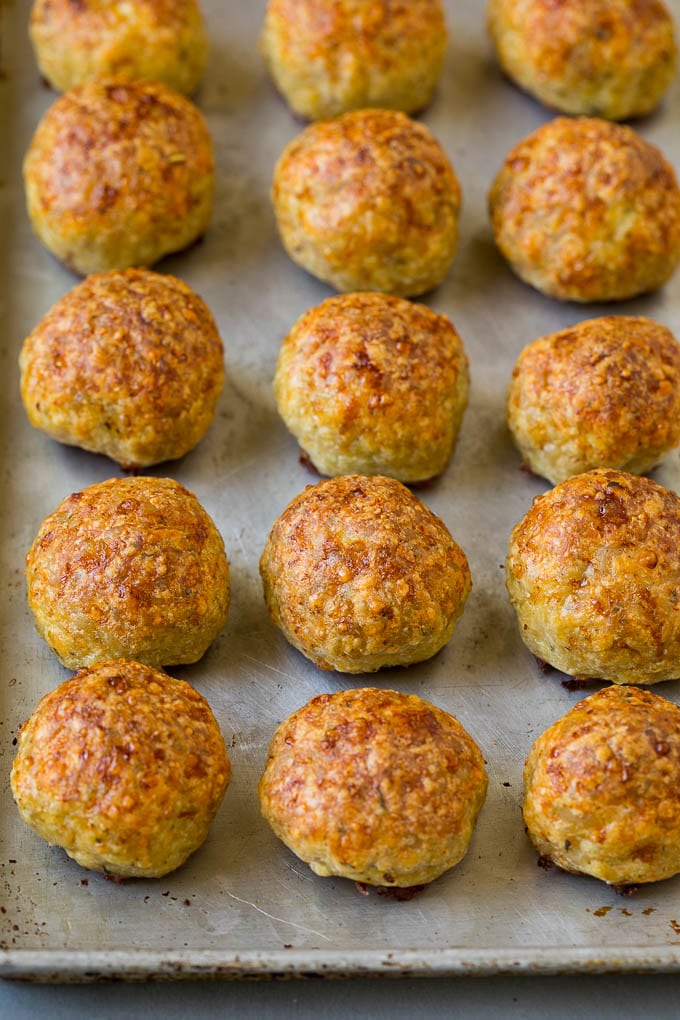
(128, 568)
(368, 201)
(593, 572)
(603, 393)
(373, 384)
(76, 41)
(119, 174)
(331, 56)
(122, 766)
(376, 786)
(605, 58)
(586, 210)
(128, 364)
(601, 788)
(359, 574)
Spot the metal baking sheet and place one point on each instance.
(243, 905)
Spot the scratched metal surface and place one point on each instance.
(243, 905)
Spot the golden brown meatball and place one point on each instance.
(373, 384)
(368, 201)
(119, 174)
(331, 56)
(128, 568)
(604, 393)
(603, 58)
(593, 572)
(601, 788)
(129, 364)
(122, 766)
(359, 574)
(377, 786)
(586, 210)
(76, 41)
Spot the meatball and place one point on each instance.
(603, 58)
(331, 56)
(600, 788)
(77, 42)
(122, 766)
(593, 572)
(128, 568)
(128, 364)
(376, 786)
(359, 574)
(118, 174)
(373, 384)
(586, 210)
(603, 393)
(368, 201)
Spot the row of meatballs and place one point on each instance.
(121, 173)
(130, 364)
(125, 767)
(613, 58)
(376, 786)
(360, 575)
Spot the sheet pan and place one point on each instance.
(243, 905)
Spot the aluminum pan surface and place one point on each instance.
(243, 904)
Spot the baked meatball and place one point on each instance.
(119, 174)
(377, 786)
(593, 572)
(604, 393)
(586, 210)
(122, 766)
(128, 568)
(601, 788)
(368, 201)
(76, 42)
(129, 364)
(604, 58)
(331, 56)
(373, 384)
(359, 574)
